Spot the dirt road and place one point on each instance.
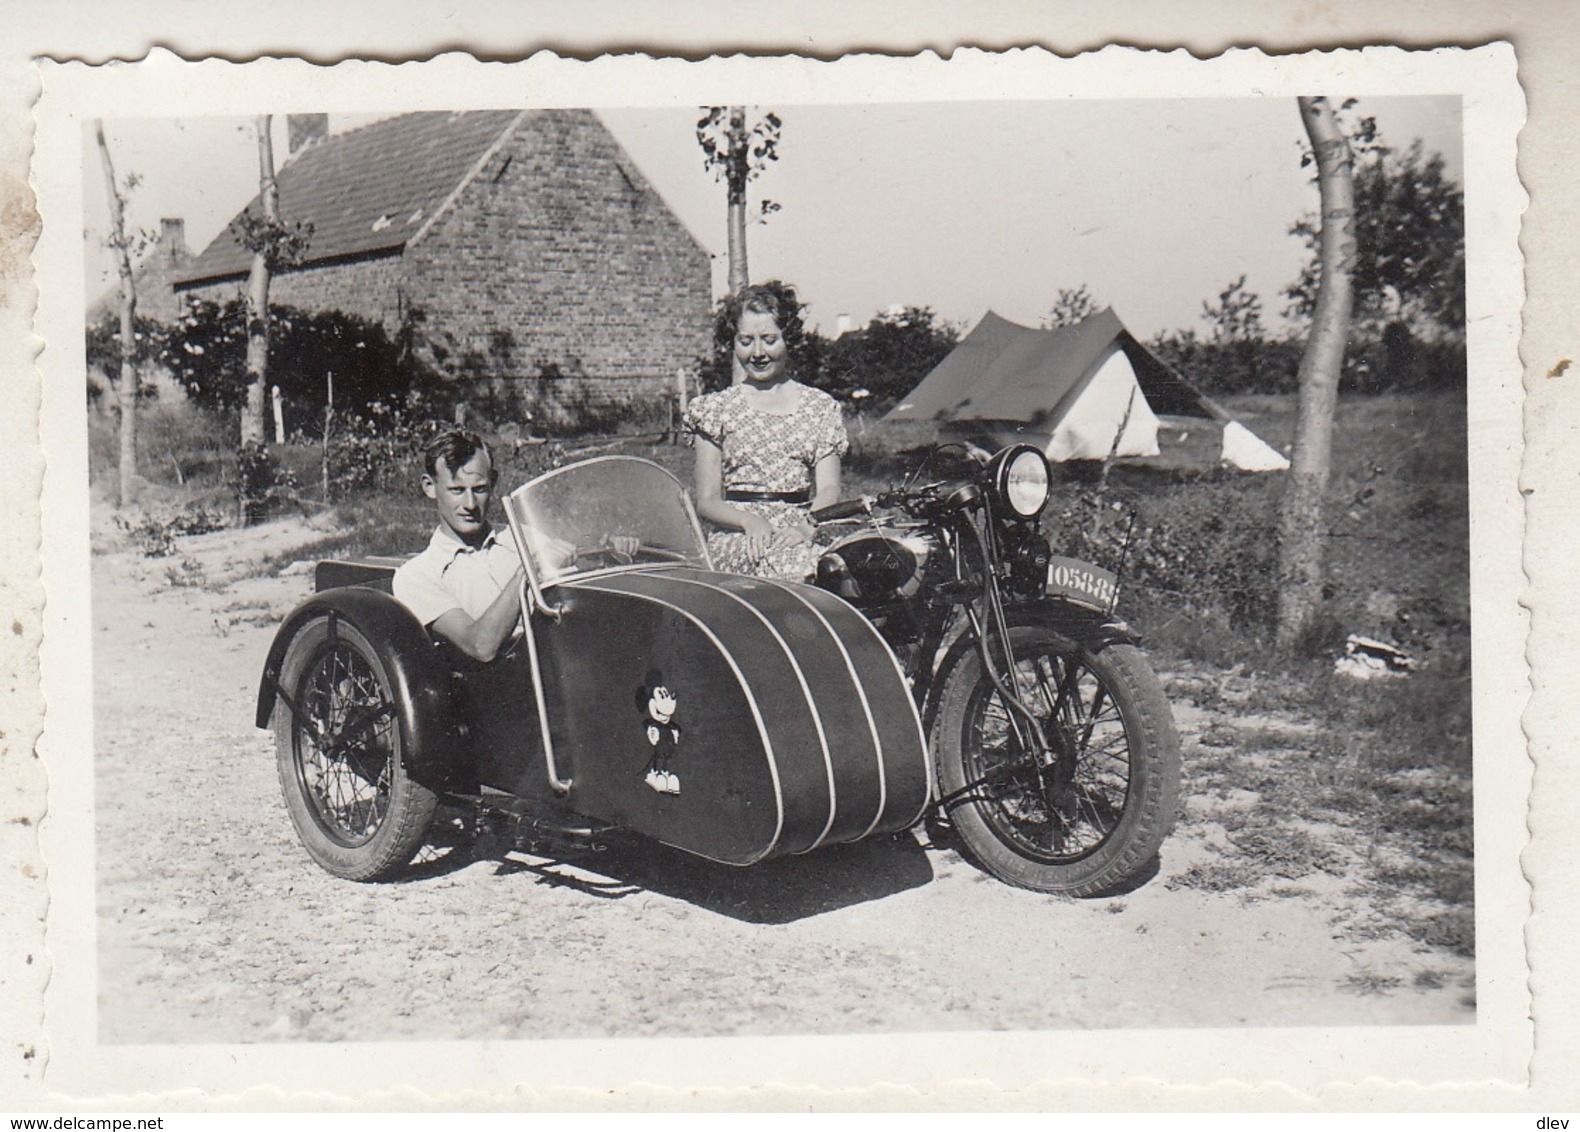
(215, 927)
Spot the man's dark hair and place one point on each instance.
(454, 446)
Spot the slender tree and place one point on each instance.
(1300, 544)
(252, 412)
(126, 388)
(737, 153)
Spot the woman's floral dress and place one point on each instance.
(768, 452)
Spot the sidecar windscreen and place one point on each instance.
(602, 513)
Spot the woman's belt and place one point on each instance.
(734, 496)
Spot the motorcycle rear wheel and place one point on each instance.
(1096, 818)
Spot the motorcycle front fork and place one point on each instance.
(1023, 721)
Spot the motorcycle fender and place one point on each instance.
(1074, 621)
(420, 684)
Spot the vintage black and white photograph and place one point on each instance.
(777, 562)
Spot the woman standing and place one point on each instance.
(768, 448)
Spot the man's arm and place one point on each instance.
(482, 638)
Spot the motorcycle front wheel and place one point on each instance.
(1090, 816)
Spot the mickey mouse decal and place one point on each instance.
(657, 704)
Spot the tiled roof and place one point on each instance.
(367, 190)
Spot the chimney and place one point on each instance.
(304, 129)
(173, 239)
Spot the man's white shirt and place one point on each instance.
(448, 574)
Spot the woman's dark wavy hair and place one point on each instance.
(774, 298)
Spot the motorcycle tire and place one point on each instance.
(358, 813)
(1096, 818)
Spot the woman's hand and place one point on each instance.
(761, 535)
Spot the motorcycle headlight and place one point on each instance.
(1020, 480)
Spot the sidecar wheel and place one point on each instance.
(339, 756)
(1094, 819)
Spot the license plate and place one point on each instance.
(1082, 583)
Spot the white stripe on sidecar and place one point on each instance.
(751, 702)
(899, 674)
(866, 708)
(806, 691)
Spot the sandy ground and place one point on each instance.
(214, 926)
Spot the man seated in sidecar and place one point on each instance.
(463, 586)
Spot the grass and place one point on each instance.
(1370, 982)
(1375, 782)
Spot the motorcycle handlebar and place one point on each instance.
(845, 509)
(911, 500)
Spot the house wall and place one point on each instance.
(557, 270)
(367, 288)
(560, 259)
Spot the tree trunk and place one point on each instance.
(127, 391)
(1301, 537)
(736, 175)
(252, 415)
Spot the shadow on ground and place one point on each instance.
(778, 891)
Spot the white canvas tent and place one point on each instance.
(1081, 392)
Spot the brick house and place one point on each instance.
(516, 247)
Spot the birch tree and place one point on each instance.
(126, 387)
(274, 245)
(1300, 543)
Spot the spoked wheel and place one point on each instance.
(338, 751)
(1093, 813)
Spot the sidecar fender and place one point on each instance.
(420, 682)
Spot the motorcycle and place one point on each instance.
(738, 718)
(1056, 754)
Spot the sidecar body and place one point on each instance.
(733, 717)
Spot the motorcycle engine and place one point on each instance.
(871, 569)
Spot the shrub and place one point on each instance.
(1247, 365)
(260, 483)
(181, 441)
(1395, 360)
(1206, 545)
(375, 450)
(206, 351)
(156, 536)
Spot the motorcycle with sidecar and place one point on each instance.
(943, 660)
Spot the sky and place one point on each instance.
(1154, 205)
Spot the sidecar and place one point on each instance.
(732, 717)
